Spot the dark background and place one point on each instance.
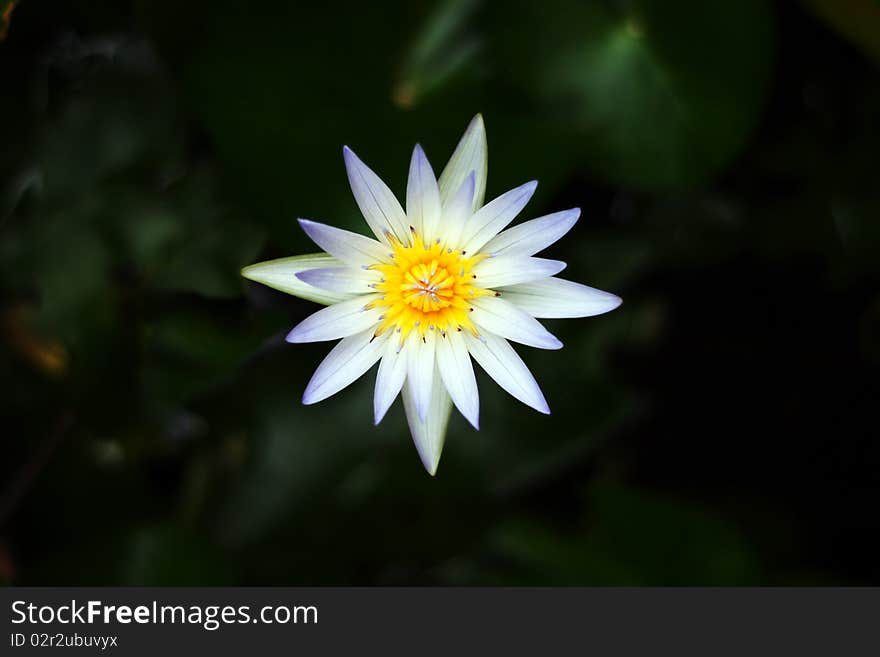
(718, 428)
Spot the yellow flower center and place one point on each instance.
(427, 288)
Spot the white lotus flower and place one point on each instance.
(441, 282)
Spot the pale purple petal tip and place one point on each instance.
(293, 336)
(307, 276)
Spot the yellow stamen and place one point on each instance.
(426, 288)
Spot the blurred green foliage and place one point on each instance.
(671, 544)
(642, 109)
(713, 430)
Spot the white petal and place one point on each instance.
(430, 434)
(494, 217)
(501, 362)
(457, 373)
(341, 279)
(457, 212)
(532, 236)
(377, 202)
(352, 248)
(389, 380)
(337, 321)
(471, 154)
(345, 363)
(281, 274)
(420, 372)
(559, 298)
(422, 196)
(510, 270)
(505, 319)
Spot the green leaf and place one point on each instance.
(629, 537)
(657, 95)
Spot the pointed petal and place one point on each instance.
(345, 363)
(429, 434)
(457, 212)
(420, 372)
(505, 319)
(559, 298)
(471, 154)
(337, 321)
(422, 196)
(352, 248)
(510, 270)
(390, 378)
(494, 217)
(501, 362)
(457, 373)
(281, 274)
(530, 237)
(347, 280)
(377, 202)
